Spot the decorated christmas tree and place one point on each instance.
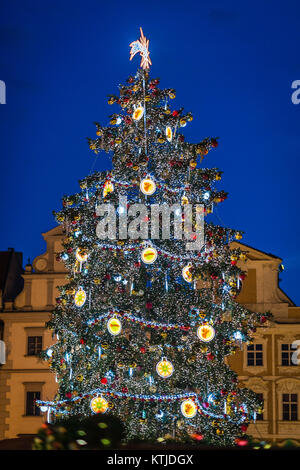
(144, 325)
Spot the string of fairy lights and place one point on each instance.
(189, 402)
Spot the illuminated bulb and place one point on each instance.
(121, 210)
(238, 336)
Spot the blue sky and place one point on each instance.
(232, 64)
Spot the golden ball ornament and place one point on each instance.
(188, 408)
(99, 405)
(186, 273)
(81, 255)
(149, 255)
(164, 368)
(206, 333)
(80, 297)
(114, 326)
(138, 113)
(147, 186)
(169, 134)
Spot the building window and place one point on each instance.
(289, 407)
(260, 416)
(286, 355)
(34, 345)
(255, 355)
(31, 408)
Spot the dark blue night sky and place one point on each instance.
(232, 64)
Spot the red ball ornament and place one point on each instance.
(244, 427)
(104, 380)
(263, 319)
(68, 395)
(175, 113)
(197, 437)
(143, 350)
(241, 442)
(149, 305)
(210, 357)
(82, 341)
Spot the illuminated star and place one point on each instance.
(141, 46)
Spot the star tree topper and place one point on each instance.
(141, 46)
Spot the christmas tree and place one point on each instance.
(144, 325)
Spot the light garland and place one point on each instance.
(124, 395)
(142, 321)
(160, 251)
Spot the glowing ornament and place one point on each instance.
(186, 273)
(149, 255)
(169, 134)
(80, 297)
(81, 255)
(147, 186)
(188, 408)
(99, 405)
(206, 333)
(108, 188)
(164, 368)
(114, 326)
(138, 113)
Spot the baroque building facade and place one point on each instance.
(269, 366)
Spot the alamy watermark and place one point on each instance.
(296, 94)
(2, 92)
(296, 354)
(153, 221)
